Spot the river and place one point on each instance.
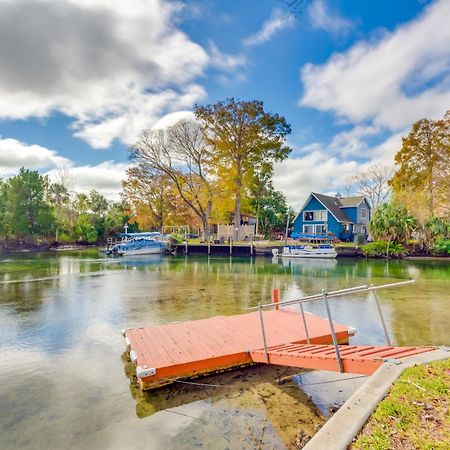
(63, 373)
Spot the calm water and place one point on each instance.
(63, 381)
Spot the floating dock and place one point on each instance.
(174, 351)
(286, 337)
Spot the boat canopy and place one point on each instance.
(143, 234)
(296, 235)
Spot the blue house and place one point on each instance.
(343, 217)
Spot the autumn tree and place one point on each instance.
(246, 140)
(422, 179)
(181, 153)
(151, 196)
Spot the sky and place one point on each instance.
(79, 79)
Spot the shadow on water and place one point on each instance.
(249, 405)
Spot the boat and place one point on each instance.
(140, 244)
(308, 250)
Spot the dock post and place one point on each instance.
(386, 334)
(231, 245)
(209, 248)
(263, 332)
(333, 333)
(276, 298)
(185, 247)
(308, 341)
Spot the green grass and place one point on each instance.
(415, 413)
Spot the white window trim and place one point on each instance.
(315, 225)
(364, 216)
(316, 211)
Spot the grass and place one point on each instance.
(415, 413)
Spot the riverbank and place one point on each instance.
(415, 413)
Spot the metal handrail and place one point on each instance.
(324, 296)
(338, 293)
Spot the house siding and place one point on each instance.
(332, 225)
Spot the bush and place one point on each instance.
(63, 238)
(360, 239)
(442, 246)
(383, 249)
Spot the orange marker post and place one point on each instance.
(276, 297)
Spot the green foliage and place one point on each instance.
(360, 239)
(392, 222)
(383, 249)
(84, 230)
(270, 210)
(24, 212)
(442, 246)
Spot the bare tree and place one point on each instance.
(181, 153)
(374, 184)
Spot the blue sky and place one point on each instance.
(80, 78)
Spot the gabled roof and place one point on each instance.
(333, 204)
(351, 202)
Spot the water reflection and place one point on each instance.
(61, 376)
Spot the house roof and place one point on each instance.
(333, 204)
(351, 202)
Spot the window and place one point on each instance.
(347, 228)
(320, 215)
(314, 229)
(363, 213)
(315, 216)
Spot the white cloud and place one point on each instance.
(393, 79)
(312, 169)
(353, 142)
(322, 18)
(112, 66)
(15, 154)
(278, 20)
(173, 118)
(225, 61)
(313, 172)
(105, 177)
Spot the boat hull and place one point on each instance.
(142, 251)
(309, 255)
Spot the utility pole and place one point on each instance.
(287, 225)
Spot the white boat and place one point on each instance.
(140, 244)
(306, 251)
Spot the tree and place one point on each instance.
(180, 153)
(374, 184)
(392, 223)
(151, 195)
(422, 179)
(246, 140)
(272, 211)
(97, 203)
(27, 213)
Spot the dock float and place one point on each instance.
(165, 353)
(288, 337)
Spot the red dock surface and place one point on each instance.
(168, 352)
(360, 359)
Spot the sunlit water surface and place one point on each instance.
(63, 375)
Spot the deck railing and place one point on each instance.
(325, 296)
